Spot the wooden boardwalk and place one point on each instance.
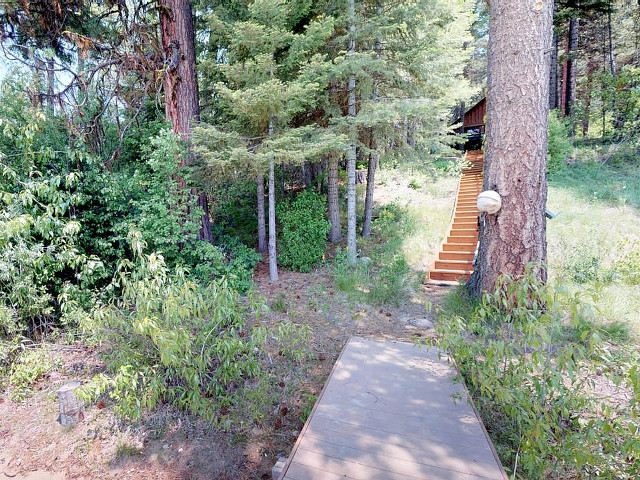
(391, 411)
(454, 261)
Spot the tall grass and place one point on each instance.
(594, 241)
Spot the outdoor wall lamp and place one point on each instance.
(489, 202)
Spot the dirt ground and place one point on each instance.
(170, 445)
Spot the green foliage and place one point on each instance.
(387, 280)
(25, 372)
(584, 264)
(39, 258)
(304, 230)
(394, 280)
(627, 266)
(533, 379)
(170, 340)
(166, 213)
(560, 144)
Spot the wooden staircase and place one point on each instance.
(455, 258)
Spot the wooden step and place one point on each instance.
(464, 265)
(456, 256)
(449, 275)
(459, 247)
(463, 232)
(471, 239)
(471, 224)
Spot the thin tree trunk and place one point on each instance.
(516, 142)
(572, 73)
(612, 55)
(351, 152)
(368, 202)
(553, 77)
(565, 77)
(374, 157)
(335, 233)
(262, 228)
(591, 67)
(51, 84)
(273, 256)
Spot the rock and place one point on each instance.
(71, 407)
(420, 322)
(277, 469)
(365, 260)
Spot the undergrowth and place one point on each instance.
(535, 359)
(168, 340)
(388, 279)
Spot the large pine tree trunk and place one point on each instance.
(335, 233)
(352, 249)
(516, 141)
(181, 81)
(262, 227)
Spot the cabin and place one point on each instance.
(472, 124)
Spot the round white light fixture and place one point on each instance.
(489, 202)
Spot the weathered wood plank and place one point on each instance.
(391, 411)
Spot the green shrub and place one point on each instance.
(172, 341)
(559, 143)
(533, 385)
(627, 267)
(392, 283)
(26, 370)
(304, 230)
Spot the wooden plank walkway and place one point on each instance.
(454, 261)
(391, 411)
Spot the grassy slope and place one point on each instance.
(598, 209)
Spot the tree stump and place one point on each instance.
(71, 408)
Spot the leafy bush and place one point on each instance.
(559, 143)
(304, 230)
(172, 341)
(24, 372)
(627, 267)
(38, 254)
(534, 385)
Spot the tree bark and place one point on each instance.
(591, 68)
(572, 73)
(181, 82)
(180, 79)
(262, 227)
(374, 157)
(273, 255)
(335, 233)
(516, 142)
(553, 76)
(368, 201)
(352, 248)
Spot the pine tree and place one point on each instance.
(268, 75)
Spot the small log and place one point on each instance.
(71, 408)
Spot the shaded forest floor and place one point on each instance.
(172, 445)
